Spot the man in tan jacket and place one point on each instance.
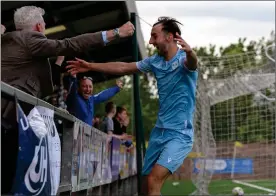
(25, 52)
(24, 65)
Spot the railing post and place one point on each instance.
(137, 110)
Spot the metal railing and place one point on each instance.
(90, 162)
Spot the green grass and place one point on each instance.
(184, 188)
(216, 187)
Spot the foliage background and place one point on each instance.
(149, 97)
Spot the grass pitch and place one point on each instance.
(217, 187)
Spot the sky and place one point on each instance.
(212, 22)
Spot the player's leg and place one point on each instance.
(175, 149)
(153, 152)
(156, 179)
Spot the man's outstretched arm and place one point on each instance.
(108, 93)
(39, 45)
(116, 68)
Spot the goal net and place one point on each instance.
(235, 124)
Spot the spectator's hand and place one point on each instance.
(77, 66)
(60, 60)
(3, 29)
(124, 136)
(126, 30)
(119, 83)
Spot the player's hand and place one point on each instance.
(126, 30)
(184, 46)
(119, 83)
(77, 66)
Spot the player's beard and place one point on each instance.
(161, 51)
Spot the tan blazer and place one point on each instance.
(24, 58)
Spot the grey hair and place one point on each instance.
(28, 16)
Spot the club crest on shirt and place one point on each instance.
(174, 65)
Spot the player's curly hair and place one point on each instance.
(170, 25)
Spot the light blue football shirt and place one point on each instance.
(176, 89)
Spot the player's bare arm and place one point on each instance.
(116, 68)
(191, 58)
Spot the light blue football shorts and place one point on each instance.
(167, 148)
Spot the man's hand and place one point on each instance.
(191, 58)
(183, 44)
(77, 66)
(125, 136)
(120, 83)
(126, 30)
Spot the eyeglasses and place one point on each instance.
(89, 78)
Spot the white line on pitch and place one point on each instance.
(254, 186)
